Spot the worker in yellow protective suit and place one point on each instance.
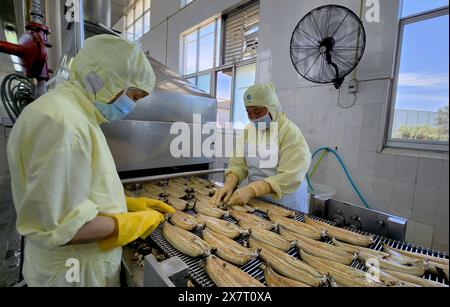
(270, 136)
(70, 203)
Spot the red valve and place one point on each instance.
(32, 50)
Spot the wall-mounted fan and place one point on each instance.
(328, 44)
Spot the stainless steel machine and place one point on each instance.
(343, 214)
(141, 143)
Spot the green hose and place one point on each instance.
(324, 153)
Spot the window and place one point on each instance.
(204, 82)
(224, 87)
(190, 53)
(420, 109)
(228, 74)
(241, 35)
(245, 77)
(185, 2)
(138, 20)
(11, 37)
(200, 48)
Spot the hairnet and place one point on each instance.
(263, 95)
(107, 65)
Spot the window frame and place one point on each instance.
(403, 143)
(234, 68)
(217, 24)
(186, 2)
(136, 18)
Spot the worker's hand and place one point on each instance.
(144, 204)
(256, 189)
(131, 226)
(223, 195)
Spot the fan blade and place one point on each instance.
(316, 28)
(340, 24)
(342, 60)
(308, 37)
(328, 20)
(315, 61)
(303, 60)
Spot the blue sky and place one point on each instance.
(423, 80)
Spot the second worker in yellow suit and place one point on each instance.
(284, 180)
(68, 196)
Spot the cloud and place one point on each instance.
(423, 80)
(423, 97)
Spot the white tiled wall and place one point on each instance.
(411, 187)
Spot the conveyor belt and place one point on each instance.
(201, 279)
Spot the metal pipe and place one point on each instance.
(80, 24)
(171, 176)
(53, 13)
(36, 12)
(10, 48)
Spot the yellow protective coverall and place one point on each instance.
(62, 171)
(294, 155)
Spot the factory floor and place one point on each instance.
(9, 239)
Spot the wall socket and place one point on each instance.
(353, 86)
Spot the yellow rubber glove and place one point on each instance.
(256, 189)
(224, 194)
(131, 226)
(144, 204)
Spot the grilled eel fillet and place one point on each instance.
(269, 208)
(273, 279)
(287, 265)
(203, 198)
(180, 181)
(335, 268)
(202, 182)
(147, 194)
(205, 208)
(416, 280)
(204, 191)
(185, 221)
(185, 242)
(154, 189)
(357, 249)
(223, 227)
(320, 249)
(272, 239)
(246, 209)
(297, 227)
(175, 192)
(341, 274)
(180, 204)
(227, 249)
(180, 187)
(341, 234)
(247, 220)
(435, 265)
(226, 275)
(389, 264)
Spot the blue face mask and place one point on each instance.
(263, 123)
(117, 110)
